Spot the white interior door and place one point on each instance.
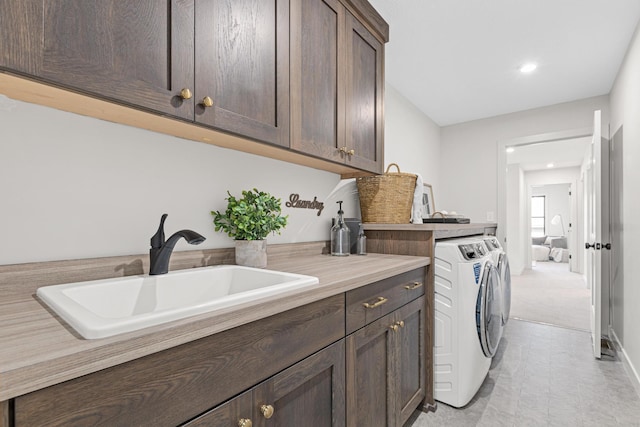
(593, 235)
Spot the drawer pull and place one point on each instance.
(244, 422)
(400, 323)
(415, 285)
(394, 327)
(267, 411)
(378, 303)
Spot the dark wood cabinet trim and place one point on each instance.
(417, 308)
(369, 17)
(5, 416)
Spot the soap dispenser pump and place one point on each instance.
(340, 245)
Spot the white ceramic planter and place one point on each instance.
(251, 253)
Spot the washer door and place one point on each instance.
(489, 311)
(505, 281)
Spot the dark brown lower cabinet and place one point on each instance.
(310, 393)
(385, 373)
(295, 368)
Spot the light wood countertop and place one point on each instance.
(37, 349)
(440, 230)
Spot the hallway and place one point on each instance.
(550, 293)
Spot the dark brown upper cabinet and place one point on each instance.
(336, 85)
(317, 84)
(300, 74)
(364, 98)
(242, 67)
(139, 53)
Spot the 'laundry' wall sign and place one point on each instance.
(295, 202)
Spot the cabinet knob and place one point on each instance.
(244, 422)
(185, 93)
(394, 327)
(344, 150)
(207, 101)
(267, 411)
(400, 323)
(378, 303)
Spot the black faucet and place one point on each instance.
(161, 250)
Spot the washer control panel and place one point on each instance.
(492, 243)
(472, 250)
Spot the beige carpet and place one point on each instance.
(550, 293)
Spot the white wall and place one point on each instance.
(411, 139)
(625, 109)
(77, 187)
(468, 178)
(517, 223)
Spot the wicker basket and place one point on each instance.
(387, 198)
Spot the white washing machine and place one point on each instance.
(468, 323)
(501, 262)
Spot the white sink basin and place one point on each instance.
(102, 308)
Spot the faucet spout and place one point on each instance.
(161, 250)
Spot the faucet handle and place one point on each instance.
(157, 240)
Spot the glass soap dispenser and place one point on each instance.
(340, 245)
(361, 247)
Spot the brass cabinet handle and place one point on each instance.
(207, 101)
(400, 323)
(267, 411)
(415, 285)
(244, 422)
(185, 93)
(378, 303)
(394, 327)
(349, 152)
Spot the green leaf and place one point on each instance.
(252, 217)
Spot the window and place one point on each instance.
(537, 216)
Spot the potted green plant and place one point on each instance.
(248, 221)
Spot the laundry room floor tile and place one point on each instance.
(545, 375)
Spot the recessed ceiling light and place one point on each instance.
(527, 68)
(549, 165)
(510, 149)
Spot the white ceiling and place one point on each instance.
(458, 60)
(563, 154)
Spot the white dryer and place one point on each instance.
(468, 324)
(501, 262)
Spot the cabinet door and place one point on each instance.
(242, 67)
(364, 90)
(138, 53)
(317, 92)
(410, 348)
(236, 412)
(371, 371)
(310, 393)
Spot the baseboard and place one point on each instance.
(628, 366)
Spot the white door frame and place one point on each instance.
(502, 168)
